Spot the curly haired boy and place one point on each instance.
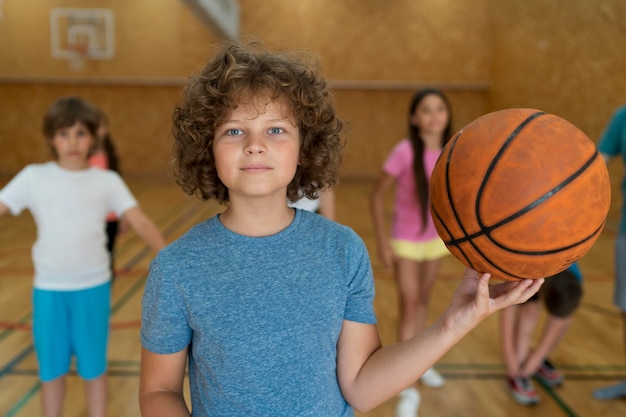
(271, 306)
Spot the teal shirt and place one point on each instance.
(613, 143)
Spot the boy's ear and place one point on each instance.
(51, 146)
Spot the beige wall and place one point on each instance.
(566, 57)
(562, 56)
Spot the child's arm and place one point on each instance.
(377, 204)
(370, 374)
(144, 227)
(553, 332)
(161, 384)
(3, 209)
(508, 320)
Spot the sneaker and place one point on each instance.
(432, 378)
(612, 392)
(522, 390)
(409, 403)
(548, 374)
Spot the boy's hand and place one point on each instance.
(475, 299)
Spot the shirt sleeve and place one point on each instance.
(612, 138)
(121, 197)
(399, 158)
(360, 303)
(16, 195)
(164, 325)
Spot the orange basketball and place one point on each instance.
(519, 193)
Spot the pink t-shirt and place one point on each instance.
(407, 219)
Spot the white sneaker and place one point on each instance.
(432, 378)
(409, 403)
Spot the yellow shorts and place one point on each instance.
(423, 251)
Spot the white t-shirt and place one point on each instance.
(70, 210)
(306, 203)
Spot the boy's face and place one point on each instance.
(257, 149)
(72, 145)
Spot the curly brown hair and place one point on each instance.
(240, 72)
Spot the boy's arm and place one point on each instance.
(369, 374)
(144, 227)
(377, 206)
(161, 384)
(3, 209)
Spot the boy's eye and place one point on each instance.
(276, 130)
(234, 132)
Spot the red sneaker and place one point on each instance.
(549, 375)
(522, 390)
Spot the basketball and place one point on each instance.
(519, 193)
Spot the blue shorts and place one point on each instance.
(67, 323)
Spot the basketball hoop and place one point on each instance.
(76, 55)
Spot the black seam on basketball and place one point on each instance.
(486, 230)
(469, 262)
(551, 251)
(598, 230)
(458, 220)
(482, 230)
(448, 191)
(496, 159)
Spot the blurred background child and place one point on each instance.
(414, 248)
(561, 295)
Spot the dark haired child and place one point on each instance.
(69, 202)
(272, 307)
(413, 248)
(561, 295)
(105, 156)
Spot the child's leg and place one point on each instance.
(52, 394)
(426, 279)
(96, 393)
(52, 346)
(90, 332)
(527, 318)
(415, 282)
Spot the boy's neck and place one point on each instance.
(73, 165)
(257, 220)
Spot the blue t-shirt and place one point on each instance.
(261, 315)
(613, 143)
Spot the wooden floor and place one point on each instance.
(591, 354)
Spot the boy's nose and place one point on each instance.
(254, 145)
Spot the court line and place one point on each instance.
(557, 399)
(24, 400)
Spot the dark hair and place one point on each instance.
(419, 172)
(113, 160)
(66, 112)
(240, 72)
(562, 293)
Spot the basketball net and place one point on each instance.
(78, 54)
